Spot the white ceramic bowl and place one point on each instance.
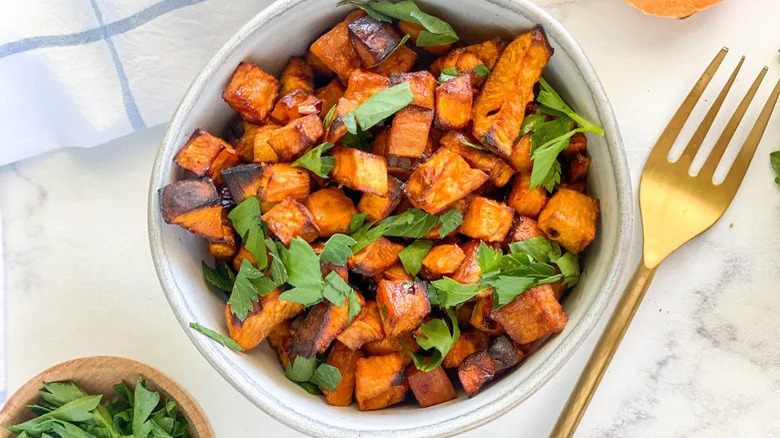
(287, 27)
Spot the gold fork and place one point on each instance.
(676, 207)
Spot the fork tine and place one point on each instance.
(722, 144)
(745, 156)
(668, 137)
(698, 137)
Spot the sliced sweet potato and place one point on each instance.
(330, 95)
(430, 388)
(360, 170)
(225, 247)
(252, 92)
(296, 104)
(523, 228)
(454, 99)
(375, 258)
(488, 51)
(245, 145)
(295, 138)
(280, 339)
(402, 305)
(373, 41)
(280, 181)
(365, 328)
(500, 108)
(243, 180)
(290, 219)
(320, 327)
(465, 63)
(441, 260)
(532, 315)
(297, 75)
(380, 381)
(481, 314)
(482, 367)
(469, 271)
(346, 361)
(379, 207)
(199, 152)
(226, 158)
(487, 220)
(468, 343)
(195, 206)
(526, 201)
(441, 181)
(408, 135)
(672, 8)
(497, 169)
(393, 345)
(241, 255)
(520, 157)
(400, 61)
(577, 169)
(331, 210)
(334, 49)
(422, 84)
(263, 152)
(569, 218)
(413, 30)
(267, 313)
(320, 69)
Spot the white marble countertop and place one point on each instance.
(701, 359)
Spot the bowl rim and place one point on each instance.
(265, 400)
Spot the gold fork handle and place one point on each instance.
(602, 355)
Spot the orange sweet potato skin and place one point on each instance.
(468, 343)
(320, 327)
(481, 367)
(268, 312)
(290, 219)
(468, 272)
(454, 99)
(408, 135)
(570, 218)
(430, 388)
(379, 207)
(195, 206)
(487, 220)
(360, 170)
(525, 200)
(331, 211)
(199, 152)
(243, 181)
(441, 260)
(252, 92)
(422, 84)
(401, 61)
(366, 327)
(295, 138)
(499, 171)
(402, 305)
(280, 340)
(373, 41)
(375, 258)
(297, 75)
(532, 315)
(346, 361)
(280, 181)
(380, 381)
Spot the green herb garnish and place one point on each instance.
(248, 224)
(437, 32)
(219, 337)
(378, 107)
(315, 162)
(412, 256)
(249, 286)
(303, 371)
(436, 336)
(774, 158)
(337, 249)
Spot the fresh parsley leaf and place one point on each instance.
(278, 271)
(354, 306)
(400, 43)
(473, 145)
(315, 162)
(329, 116)
(506, 288)
(337, 249)
(435, 336)
(531, 122)
(774, 158)
(247, 222)
(245, 292)
(303, 273)
(449, 221)
(326, 376)
(546, 168)
(336, 289)
(447, 74)
(489, 259)
(382, 105)
(452, 71)
(570, 268)
(482, 70)
(436, 31)
(219, 337)
(378, 16)
(541, 249)
(145, 402)
(412, 256)
(222, 278)
(301, 370)
(60, 393)
(413, 223)
(366, 235)
(357, 221)
(549, 98)
(451, 293)
(350, 123)
(302, 295)
(360, 140)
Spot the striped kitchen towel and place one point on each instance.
(83, 72)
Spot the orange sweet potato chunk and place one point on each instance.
(380, 381)
(430, 388)
(488, 51)
(365, 328)
(379, 207)
(243, 180)
(267, 313)
(364, 84)
(402, 305)
(413, 30)
(441, 181)
(569, 218)
(375, 258)
(290, 219)
(482, 367)
(359, 170)
(334, 49)
(672, 9)
(373, 41)
(297, 75)
(468, 343)
(500, 108)
(523, 228)
(330, 95)
(199, 152)
(295, 138)
(520, 157)
(532, 315)
(243, 254)
(280, 181)
(331, 210)
(454, 99)
(320, 327)
(441, 260)
(296, 104)
(577, 169)
(245, 145)
(526, 201)
(481, 315)
(469, 271)
(225, 247)
(280, 340)
(408, 135)
(497, 169)
(226, 158)
(252, 92)
(423, 85)
(263, 152)
(487, 220)
(346, 361)
(401, 61)
(395, 344)
(193, 205)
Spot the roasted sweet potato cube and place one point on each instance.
(331, 210)
(481, 314)
(393, 345)
(334, 49)
(523, 228)
(375, 258)
(578, 145)
(468, 343)
(225, 247)
(441, 181)
(320, 327)
(194, 205)
(395, 272)
(422, 84)
(500, 108)
(569, 218)
(380, 381)
(469, 271)
(441, 260)
(520, 157)
(430, 388)
(364, 84)
(289, 219)
(532, 315)
(365, 328)
(297, 75)
(577, 169)
(526, 201)
(497, 169)
(487, 220)
(241, 255)
(280, 339)
(295, 138)
(402, 305)
(298, 103)
(373, 41)
(245, 145)
(401, 61)
(359, 170)
(280, 181)
(379, 207)
(226, 158)
(346, 361)
(408, 135)
(453, 103)
(243, 180)
(252, 92)
(199, 152)
(263, 152)
(488, 51)
(320, 69)
(413, 30)
(482, 367)
(337, 129)
(330, 95)
(267, 313)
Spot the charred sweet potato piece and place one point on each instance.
(441, 181)
(578, 145)
(226, 158)
(400, 61)
(430, 388)
(402, 305)
(330, 95)
(320, 327)
(252, 92)
(497, 169)
(346, 361)
(290, 219)
(482, 367)
(577, 169)
(295, 138)
(280, 339)
(481, 314)
(243, 180)
(520, 157)
(241, 255)
(280, 181)
(569, 218)
(245, 145)
(263, 152)
(532, 315)
(267, 313)
(453, 103)
(523, 228)
(296, 104)
(193, 205)
(487, 220)
(380, 381)
(408, 135)
(468, 343)
(441, 260)
(331, 210)
(375, 258)
(360, 170)
(297, 75)
(379, 207)
(366, 327)
(422, 84)
(199, 152)
(334, 49)
(500, 108)
(373, 41)
(526, 201)
(469, 271)
(413, 30)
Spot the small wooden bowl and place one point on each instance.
(97, 375)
